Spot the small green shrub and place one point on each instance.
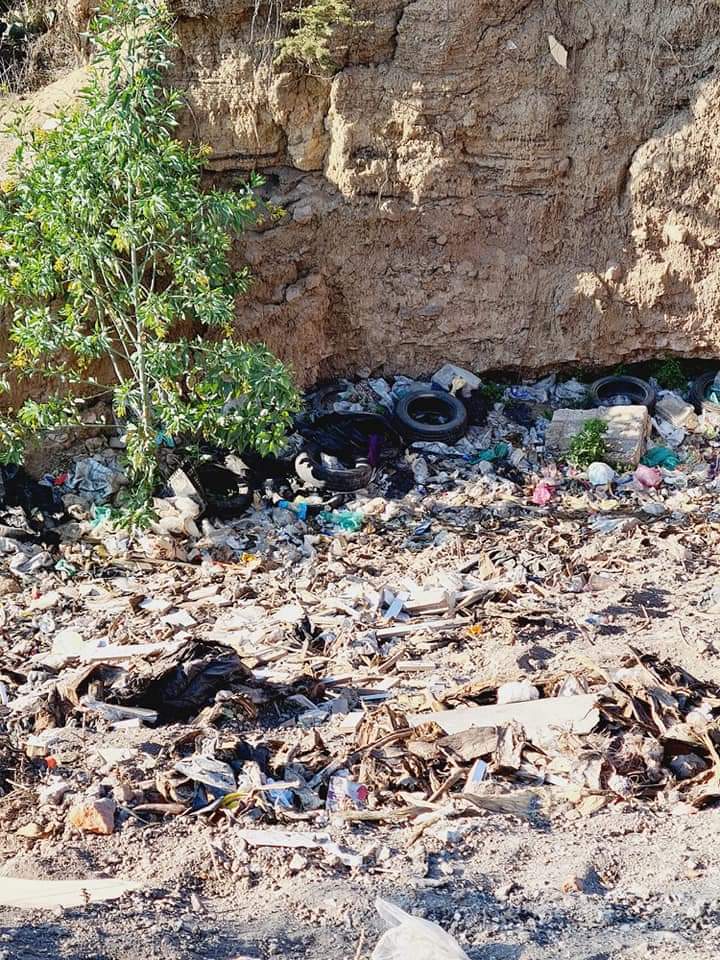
(492, 392)
(669, 374)
(311, 26)
(588, 446)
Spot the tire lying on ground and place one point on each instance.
(430, 415)
(637, 391)
(225, 494)
(313, 472)
(699, 390)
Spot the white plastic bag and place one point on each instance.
(412, 938)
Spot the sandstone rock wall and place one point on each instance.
(455, 193)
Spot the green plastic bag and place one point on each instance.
(498, 452)
(661, 457)
(349, 520)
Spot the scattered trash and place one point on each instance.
(348, 520)
(345, 794)
(543, 493)
(649, 477)
(661, 457)
(95, 481)
(622, 392)
(600, 474)
(456, 380)
(412, 652)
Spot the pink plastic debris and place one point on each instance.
(543, 493)
(648, 477)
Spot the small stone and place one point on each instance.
(302, 212)
(8, 586)
(32, 831)
(123, 793)
(675, 233)
(297, 863)
(572, 885)
(94, 816)
(293, 292)
(390, 210)
(53, 792)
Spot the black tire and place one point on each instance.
(227, 507)
(268, 467)
(341, 434)
(222, 490)
(431, 416)
(699, 389)
(313, 473)
(640, 392)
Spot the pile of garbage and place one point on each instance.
(273, 650)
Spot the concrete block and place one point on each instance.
(677, 412)
(626, 437)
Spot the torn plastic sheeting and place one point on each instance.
(649, 477)
(413, 938)
(181, 683)
(300, 841)
(351, 521)
(543, 493)
(95, 481)
(217, 776)
(499, 452)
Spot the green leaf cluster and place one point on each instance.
(589, 445)
(115, 263)
(311, 26)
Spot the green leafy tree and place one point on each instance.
(114, 261)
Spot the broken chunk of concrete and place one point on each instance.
(627, 431)
(94, 816)
(674, 409)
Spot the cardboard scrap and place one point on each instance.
(558, 51)
(578, 714)
(43, 894)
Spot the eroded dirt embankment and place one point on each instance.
(455, 193)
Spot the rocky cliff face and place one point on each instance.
(454, 192)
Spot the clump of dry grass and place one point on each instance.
(38, 43)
